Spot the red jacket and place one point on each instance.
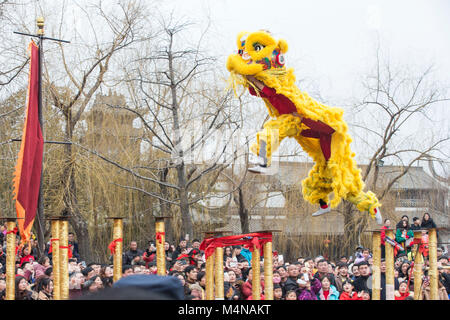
(247, 290)
(402, 296)
(345, 296)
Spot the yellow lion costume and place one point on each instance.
(261, 56)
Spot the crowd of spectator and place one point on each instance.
(306, 278)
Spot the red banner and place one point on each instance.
(249, 241)
(27, 176)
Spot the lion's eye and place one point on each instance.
(258, 47)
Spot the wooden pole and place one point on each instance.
(268, 271)
(117, 258)
(10, 258)
(256, 274)
(390, 267)
(54, 242)
(219, 273)
(433, 271)
(209, 285)
(418, 265)
(64, 256)
(160, 252)
(376, 271)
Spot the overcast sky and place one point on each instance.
(332, 41)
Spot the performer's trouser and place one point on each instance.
(288, 125)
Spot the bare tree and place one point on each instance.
(397, 101)
(86, 77)
(180, 114)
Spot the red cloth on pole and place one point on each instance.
(249, 241)
(50, 249)
(112, 245)
(69, 252)
(159, 236)
(27, 176)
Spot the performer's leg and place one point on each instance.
(270, 138)
(324, 208)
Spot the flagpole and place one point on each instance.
(40, 205)
(40, 210)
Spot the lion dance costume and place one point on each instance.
(319, 129)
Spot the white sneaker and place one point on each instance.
(258, 169)
(378, 216)
(321, 211)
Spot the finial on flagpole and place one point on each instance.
(40, 25)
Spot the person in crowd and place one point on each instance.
(322, 271)
(354, 272)
(76, 281)
(231, 291)
(149, 254)
(168, 251)
(106, 274)
(25, 255)
(41, 266)
(361, 282)
(404, 271)
(400, 223)
(23, 290)
(227, 252)
(191, 275)
(246, 289)
(73, 246)
(127, 270)
(283, 276)
(291, 282)
(427, 222)
(201, 279)
(348, 293)
(342, 276)
(328, 291)
(365, 256)
(196, 244)
(404, 236)
(277, 292)
(182, 246)
(403, 291)
(291, 295)
(236, 254)
(45, 289)
(133, 255)
(416, 224)
(386, 225)
(364, 294)
(197, 291)
(309, 286)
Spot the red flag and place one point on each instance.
(27, 177)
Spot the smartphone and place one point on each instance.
(83, 264)
(233, 264)
(305, 277)
(186, 237)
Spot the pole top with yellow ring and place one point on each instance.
(40, 25)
